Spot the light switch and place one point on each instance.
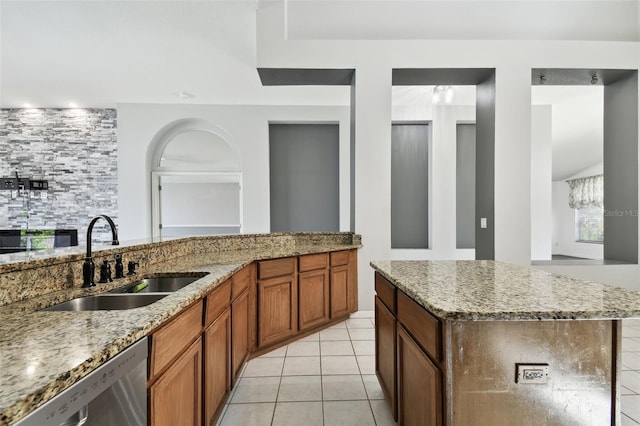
(483, 222)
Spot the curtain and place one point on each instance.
(586, 192)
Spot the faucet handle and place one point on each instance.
(131, 266)
(105, 272)
(119, 266)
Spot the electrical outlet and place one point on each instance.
(483, 222)
(532, 373)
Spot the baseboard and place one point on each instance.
(362, 314)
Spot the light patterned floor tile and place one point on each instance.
(332, 365)
(348, 413)
(336, 347)
(256, 389)
(343, 388)
(260, 367)
(298, 414)
(300, 388)
(304, 349)
(382, 413)
(301, 366)
(248, 414)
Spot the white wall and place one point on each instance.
(564, 234)
(374, 61)
(541, 156)
(246, 127)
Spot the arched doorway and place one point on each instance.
(196, 182)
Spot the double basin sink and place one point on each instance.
(138, 294)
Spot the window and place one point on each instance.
(590, 224)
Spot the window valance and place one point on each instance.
(586, 192)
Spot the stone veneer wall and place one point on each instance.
(75, 150)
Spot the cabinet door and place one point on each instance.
(176, 397)
(240, 333)
(217, 374)
(419, 385)
(339, 291)
(386, 353)
(277, 309)
(313, 297)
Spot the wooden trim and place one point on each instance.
(241, 281)
(424, 327)
(217, 301)
(170, 340)
(276, 268)
(339, 258)
(386, 292)
(311, 262)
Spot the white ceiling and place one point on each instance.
(101, 53)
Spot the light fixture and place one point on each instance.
(26, 105)
(443, 94)
(594, 79)
(183, 94)
(73, 105)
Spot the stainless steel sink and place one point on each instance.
(165, 284)
(107, 302)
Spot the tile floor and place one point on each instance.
(329, 379)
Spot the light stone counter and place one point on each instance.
(497, 291)
(43, 352)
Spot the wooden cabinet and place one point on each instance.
(409, 357)
(343, 283)
(419, 385)
(386, 353)
(217, 363)
(277, 309)
(313, 291)
(172, 338)
(240, 333)
(176, 397)
(313, 296)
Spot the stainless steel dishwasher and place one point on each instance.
(113, 394)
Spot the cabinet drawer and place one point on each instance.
(174, 337)
(386, 292)
(423, 326)
(240, 282)
(340, 258)
(276, 268)
(217, 301)
(312, 262)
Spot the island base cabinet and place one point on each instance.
(419, 385)
(386, 353)
(217, 341)
(176, 397)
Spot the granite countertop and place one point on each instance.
(470, 290)
(44, 352)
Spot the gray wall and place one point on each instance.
(76, 151)
(621, 170)
(409, 186)
(465, 186)
(304, 177)
(485, 166)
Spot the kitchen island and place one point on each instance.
(489, 343)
